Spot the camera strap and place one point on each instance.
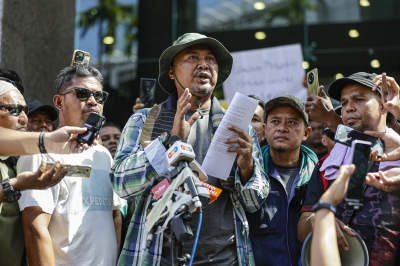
(348, 214)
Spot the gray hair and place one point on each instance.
(64, 78)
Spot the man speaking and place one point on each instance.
(190, 70)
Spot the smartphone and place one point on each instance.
(346, 135)
(93, 123)
(80, 57)
(147, 89)
(312, 82)
(360, 152)
(384, 88)
(74, 170)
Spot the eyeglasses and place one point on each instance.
(15, 109)
(83, 94)
(16, 84)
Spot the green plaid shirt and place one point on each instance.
(132, 175)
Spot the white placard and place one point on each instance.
(267, 73)
(218, 161)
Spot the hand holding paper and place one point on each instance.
(222, 153)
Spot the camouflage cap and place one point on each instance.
(287, 100)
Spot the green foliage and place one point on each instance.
(292, 10)
(110, 14)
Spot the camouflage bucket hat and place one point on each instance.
(224, 58)
(287, 100)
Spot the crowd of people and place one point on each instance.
(289, 177)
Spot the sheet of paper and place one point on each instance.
(218, 161)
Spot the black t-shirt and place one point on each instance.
(378, 223)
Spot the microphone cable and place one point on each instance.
(196, 239)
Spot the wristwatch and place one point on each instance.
(324, 205)
(10, 194)
(164, 139)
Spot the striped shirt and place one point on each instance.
(133, 174)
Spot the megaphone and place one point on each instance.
(356, 256)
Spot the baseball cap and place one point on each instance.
(287, 100)
(362, 78)
(36, 105)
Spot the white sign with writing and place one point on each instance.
(267, 73)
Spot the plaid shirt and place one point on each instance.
(132, 175)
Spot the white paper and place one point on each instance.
(218, 161)
(268, 73)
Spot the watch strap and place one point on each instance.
(324, 205)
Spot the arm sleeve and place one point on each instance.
(46, 198)
(134, 170)
(315, 189)
(253, 194)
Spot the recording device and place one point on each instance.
(147, 88)
(312, 82)
(74, 170)
(360, 152)
(346, 135)
(93, 123)
(80, 57)
(384, 89)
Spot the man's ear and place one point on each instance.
(307, 133)
(171, 73)
(58, 102)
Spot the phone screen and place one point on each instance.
(361, 151)
(147, 88)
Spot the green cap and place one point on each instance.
(224, 58)
(287, 100)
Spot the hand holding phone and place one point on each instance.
(360, 152)
(312, 82)
(74, 170)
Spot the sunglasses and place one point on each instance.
(16, 84)
(83, 94)
(15, 109)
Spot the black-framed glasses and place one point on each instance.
(16, 84)
(83, 94)
(15, 109)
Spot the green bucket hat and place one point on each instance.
(288, 100)
(224, 58)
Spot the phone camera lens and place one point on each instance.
(311, 78)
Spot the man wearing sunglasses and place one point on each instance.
(13, 111)
(74, 222)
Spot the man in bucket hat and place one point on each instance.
(190, 70)
(378, 223)
(288, 164)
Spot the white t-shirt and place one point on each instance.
(81, 226)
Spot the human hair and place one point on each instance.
(10, 74)
(111, 124)
(260, 103)
(64, 78)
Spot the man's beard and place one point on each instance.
(204, 89)
(280, 150)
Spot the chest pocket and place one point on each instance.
(269, 218)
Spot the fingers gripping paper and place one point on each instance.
(218, 161)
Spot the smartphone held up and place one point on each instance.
(93, 123)
(80, 57)
(312, 82)
(360, 158)
(147, 89)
